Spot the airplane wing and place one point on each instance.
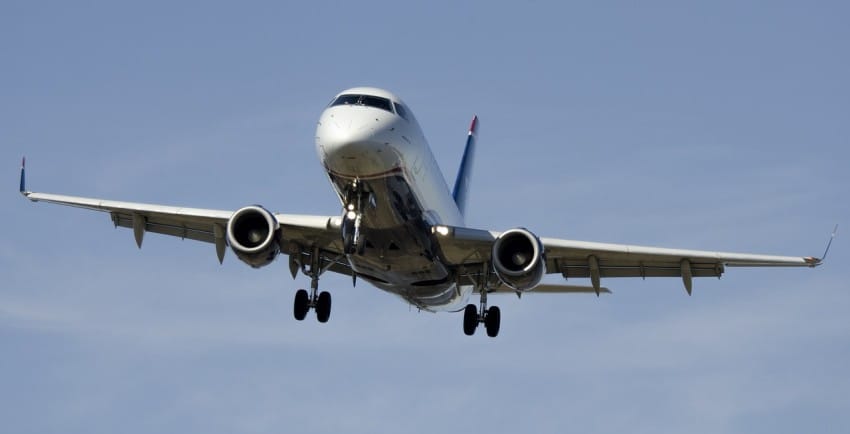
(299, 233)
(207, 225)
(466, 248)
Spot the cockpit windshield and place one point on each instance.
(365, 100)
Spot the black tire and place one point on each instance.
(301, 305)
(470, 319)
(348, 243)
(323, 307)
(348, 236)
(492, 321)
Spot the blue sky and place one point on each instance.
(719, 126)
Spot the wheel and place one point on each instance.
(301, 305)
(470, 319)
(492, 321)
(349, 235)
(323, 307)
(348, 243)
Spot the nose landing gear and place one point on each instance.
(355, 200)
(351, 240)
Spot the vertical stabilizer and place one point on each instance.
(465, 171)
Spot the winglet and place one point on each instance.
(23, 188)
(814, 262)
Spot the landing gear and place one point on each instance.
(470, 319)
(323, 307)
(352, 216)
(301, 305)
(320, 301)
(491, 317)
(492, 320)
(352, 242)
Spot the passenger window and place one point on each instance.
(401, 111)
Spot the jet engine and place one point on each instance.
(518, 259)
(252, 234)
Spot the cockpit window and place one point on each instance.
(346, 100)
(377, 102)
(401, 111)
(366, 100)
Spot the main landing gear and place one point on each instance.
(491, 317)
(319, 301)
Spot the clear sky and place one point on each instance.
(719, 125)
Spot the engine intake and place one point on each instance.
(252, 234)
(518, 259)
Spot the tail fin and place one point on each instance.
(465, 171)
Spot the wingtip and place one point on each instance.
(473, 125)
(23, 186)
(814, 262)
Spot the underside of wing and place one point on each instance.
(474, 250)
(576, 258)
(254, 234)
(296, 235)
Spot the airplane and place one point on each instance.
(402, 229)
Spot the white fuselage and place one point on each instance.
(371, 147)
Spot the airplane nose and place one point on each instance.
(356, 141)
(353, 131)
(337, 133)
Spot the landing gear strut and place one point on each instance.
(351, 240)
(320, 301)
(352, 217)
(473, 315)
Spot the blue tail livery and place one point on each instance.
(465, 171)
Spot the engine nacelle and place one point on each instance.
(518, 259)
(252, 234)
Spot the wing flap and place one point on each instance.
(581, 268)
(554, 288)
(156, 224)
